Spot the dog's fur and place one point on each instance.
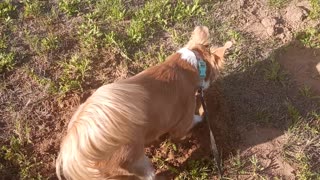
(107, 134)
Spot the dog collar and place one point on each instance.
(195, 60)
(202, 68)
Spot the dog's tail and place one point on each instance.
(111, 118)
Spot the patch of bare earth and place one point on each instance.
(303, 64)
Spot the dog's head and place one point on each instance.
(213, 56)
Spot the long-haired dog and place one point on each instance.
(107, 134)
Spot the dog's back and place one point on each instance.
(94, 145)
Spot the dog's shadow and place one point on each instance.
(251, 105)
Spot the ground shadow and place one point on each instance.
(251, 107)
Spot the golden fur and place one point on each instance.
(107, 134)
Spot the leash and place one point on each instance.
(214, 148)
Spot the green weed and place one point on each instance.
(3, 42)
(70, 7)
(256, 166)
(32, 8)
(74, 72)
(6, 9)
(111, 10)
(113, 41)
(198, 170)
(305, 91)
(156, 15)
(49, 43)
(277, 3)
(315, 11)
(169, 145)
(177, 36)
(302, 147)
(46, 83)
(90, 35)
(160, 163)
(7, 61)
(235, 35)
(274, 72)
(263, 116)
(293, 112)
(237, 163)
(42, 45)
(14, 156)
(310, 38)
(161, 54)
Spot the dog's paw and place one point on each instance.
(196, 119)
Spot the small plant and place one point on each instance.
(113, 10)
(310, 38)
(49, 43)
(306, 91)
(277, 3)
(198, 170)
(293, 112)
(302, 147)
(169, 145)
(315, 11)
(274, 73)
(15, 157)
(70, 7)
(161, 54)
(3, 42)
(177, 36)
(163, 164)
(42, 45)
(73, 73)
(6, 9)
(90, 35)
(32, 8)
(256, 167)
(46, 83)
(6, 61)
(263, 116)
(238, 163)
(157, 15)
(235, 35)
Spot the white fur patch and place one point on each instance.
(205, 84)
(196, 119)
(188, 56)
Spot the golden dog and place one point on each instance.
(107, 134)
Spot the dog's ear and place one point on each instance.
(200, 36)
(218, 53)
